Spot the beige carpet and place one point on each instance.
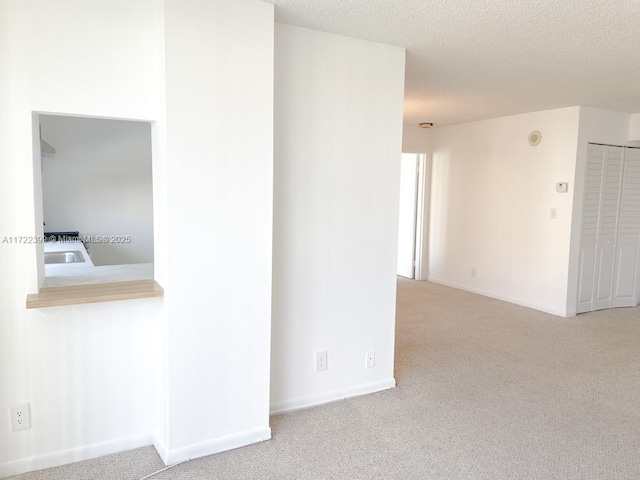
(486, 390)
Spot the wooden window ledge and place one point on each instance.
(98, 292)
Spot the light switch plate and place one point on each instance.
(562, 187)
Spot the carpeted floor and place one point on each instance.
(486, 390)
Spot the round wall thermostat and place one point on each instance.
(535, 138)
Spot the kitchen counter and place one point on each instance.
(62, 275)
(83, 282)
(85, 273)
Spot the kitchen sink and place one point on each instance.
(63, 257)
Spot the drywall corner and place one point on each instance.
(210, 447)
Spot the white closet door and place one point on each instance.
(589, 236)
(628, 254)
(608, 227)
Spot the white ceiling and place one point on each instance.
(474, 59)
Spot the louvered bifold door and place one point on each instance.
(627, 250)
(589, 235)
(608, 227)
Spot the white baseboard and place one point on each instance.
(332, 396)
(497, 296)
(161, 448)
(62, 457)
(216, 445)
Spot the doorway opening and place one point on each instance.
(413, 218)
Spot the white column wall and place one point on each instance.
(219, 120)
(338, 140)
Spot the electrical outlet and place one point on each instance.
(321, 361)
(370, 361)
(553, 214)
(20, 418)
(474, 272)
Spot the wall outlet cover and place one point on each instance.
(370, 360)
(321, 361)
(20, 417)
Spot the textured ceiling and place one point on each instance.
(474, 59)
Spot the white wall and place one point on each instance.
(189, 371)
(88, 371)
(596, 126)
(99, 183)
(491, 198)
(219, 120)
(416, 139)
(338, 139)
(634, 128)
